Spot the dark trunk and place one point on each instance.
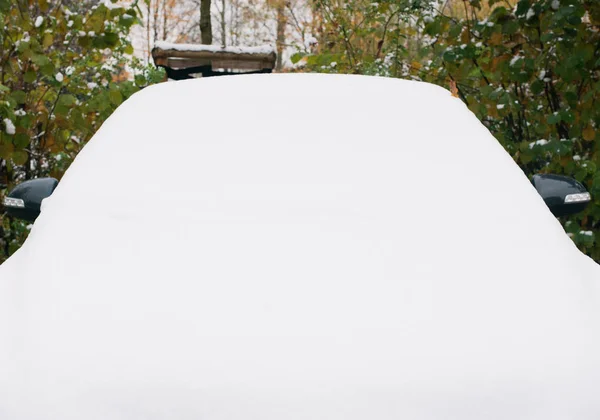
(205, 22)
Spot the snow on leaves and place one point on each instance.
(51, 56)
(529, 72)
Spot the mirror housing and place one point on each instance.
(25, 200)
(562, 195)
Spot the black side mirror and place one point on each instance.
(562, 195)
(25, 200)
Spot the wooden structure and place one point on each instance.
(185, 61)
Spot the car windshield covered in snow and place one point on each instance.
(297, 247)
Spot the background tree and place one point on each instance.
(62, 73)
(529, 69)
(531, 73)
(162, 20)
(206, 22)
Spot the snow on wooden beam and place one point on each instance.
(179, 57)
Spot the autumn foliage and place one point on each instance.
(530, 70)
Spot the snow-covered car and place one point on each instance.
(298, 247)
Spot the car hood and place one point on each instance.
(294, 247)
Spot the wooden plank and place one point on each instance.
(219, 59)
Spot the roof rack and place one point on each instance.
(186, 61)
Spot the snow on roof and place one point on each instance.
(264, 49)
(297, 247)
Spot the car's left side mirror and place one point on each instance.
(25, 200)
(562, 195)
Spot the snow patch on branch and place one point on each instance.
(10, 127)
(530, 14)
(541, 142)
(514, 60)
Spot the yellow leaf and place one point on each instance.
(6, 149)
(493, 112)
(43, 5)
(48, 38)
(49, 141)
(589, 133)
(496, 38)
(497, 61)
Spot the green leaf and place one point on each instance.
(522, 7)
(140, 80)
(96, 21)
(30, 76)
(571, 98)
(111, 39)
(5, 6)
(3, 88)
(67, 100)
(596, 184)
(567, 116)
(580, 175)
(84, 42)
(63, 136)
(47, 40)
(574, 20)
(24, 121)
(449, 56)
(61, 110)
(297, 57)
(498, 13)
(537, 87)
(547, 37)
(25, 50)
(511, 27)
(455, 31)
(115, 97)
(47, 70)
(433, 28)
(553, 118)
(19, 96)
(21, 140)
(20, 157)
(40, 59)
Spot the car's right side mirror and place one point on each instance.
(562, 195)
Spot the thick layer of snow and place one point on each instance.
(370, 253)
(264, 49)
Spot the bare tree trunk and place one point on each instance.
(156, 6)
(165, 19)
(281, 25)
(234, 26)
(205, 22)
(317, 24)
(148, 4)
(223, 25)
